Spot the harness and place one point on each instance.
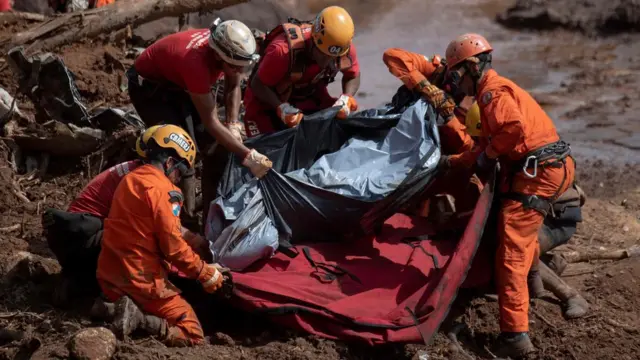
(551, 155)
(297, 35)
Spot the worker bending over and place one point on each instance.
(299, 61)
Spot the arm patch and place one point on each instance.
(175, 197)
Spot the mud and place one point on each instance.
(593, 17)
(588, 85)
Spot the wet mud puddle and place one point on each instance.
(588, 86)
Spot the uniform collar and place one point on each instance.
(483, 82)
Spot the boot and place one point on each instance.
(556, 263)
(103, 310)
(128, 318)
(534, 281)
(514, 345)
(573, 305)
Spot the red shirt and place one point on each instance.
(274, 67)
(184, 59)
(96, 197)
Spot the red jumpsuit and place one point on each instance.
(514, 124)
(309, 94)
(141, 237)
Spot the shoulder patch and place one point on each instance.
(486, 98)
(175, 197)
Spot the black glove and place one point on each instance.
(484, 163)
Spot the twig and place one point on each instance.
(10, 228)
(20, 314)
(21, 196)
(544, 319)
(627, 328)
(453, 337)
(493, 356)
(579, 273)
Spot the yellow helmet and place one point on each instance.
(175, 138)
(472, 120)
(332, 31)
(141, 141)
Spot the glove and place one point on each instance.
(237, 130)
(484, 163)
(443, 163)
(289, 114)
(257, 163)
(441, 101)
(211, 278)
(348, 104)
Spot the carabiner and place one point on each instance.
(535, 167)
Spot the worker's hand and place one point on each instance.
(348, 104)
(443, 163)
(484, 163)
(236, 129)
(441, 101)
(289, 114)
(257, 163)
(211, 278)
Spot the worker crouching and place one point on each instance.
(142, 237)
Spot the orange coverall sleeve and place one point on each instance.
(503, 121)
(454, 137)
(169, 234)
(411, 68)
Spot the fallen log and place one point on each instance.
(576, 257)
(107, 20)
(12, 17)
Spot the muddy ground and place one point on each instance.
(590, 86)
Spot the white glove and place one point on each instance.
(289, 114)
(257, 163)
(347, 104)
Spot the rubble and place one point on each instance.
(93, 344)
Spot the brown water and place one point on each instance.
(541, 63)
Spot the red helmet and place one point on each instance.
(464, 47)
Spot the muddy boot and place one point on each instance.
(103, 310)
(534, 281)
(514, 345)
(556, 263)
(129, 318)
(573, 305)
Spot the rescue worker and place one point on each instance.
(142, 234)
(74, 236)
(535, 171)
(299, 60)
(171, 81)
(454, 194)
(558, 227)
(459, 134)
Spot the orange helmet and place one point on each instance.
(464, 47)
(332, 31)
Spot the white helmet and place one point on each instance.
(234, 42)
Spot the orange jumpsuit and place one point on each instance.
(412, 68)
(514, 124)
(141, 236)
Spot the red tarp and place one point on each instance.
(374, 289)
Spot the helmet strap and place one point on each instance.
(179, 165)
